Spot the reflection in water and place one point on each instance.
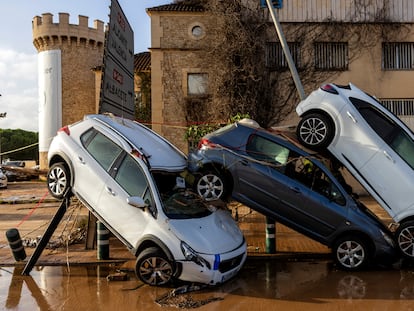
(351, 287)
(15, 289)
(265, 284)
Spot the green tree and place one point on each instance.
(19, 144)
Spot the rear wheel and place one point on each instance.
(153, 268)
(58, 180)
(211, 186)
(405, 239)
(351, 253)
(315, 131)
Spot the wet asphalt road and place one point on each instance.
(261, 285)
(264, 283)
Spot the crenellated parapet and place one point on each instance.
(48, 35)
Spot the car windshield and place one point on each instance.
(185, 205)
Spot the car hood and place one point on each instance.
(214, 234)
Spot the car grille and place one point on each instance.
(229, 264)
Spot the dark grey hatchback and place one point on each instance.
(275, 177)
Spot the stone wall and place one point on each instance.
(174, 54)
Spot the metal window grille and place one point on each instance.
(275, 57)
(331, 56)
(399, 107)
(398, 55)
(277, 4)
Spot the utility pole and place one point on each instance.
(286, 50)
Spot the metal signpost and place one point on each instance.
(117, 87)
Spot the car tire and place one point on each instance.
(153, 268)
(405, 239)
(315, 131)
(58, 180)
(211, 186)
(351, 253)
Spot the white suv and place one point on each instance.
(374, 144)
(127, 175)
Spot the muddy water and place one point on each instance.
(261, 285)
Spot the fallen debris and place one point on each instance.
(176, 298)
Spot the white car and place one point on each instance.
(3, 179)
(129, 177)
(371, 142)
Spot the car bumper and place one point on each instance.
(195, 161)
(222, 267)
(385, 253)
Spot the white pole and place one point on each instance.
(286, 50)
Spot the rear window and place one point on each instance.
(263, 149)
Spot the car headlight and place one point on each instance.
(192, 255)
(387, 238)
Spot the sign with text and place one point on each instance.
(117, 88)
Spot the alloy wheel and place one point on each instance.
(210, 187)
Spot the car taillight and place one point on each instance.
(65, 129)
(329, 88)
(205, 143)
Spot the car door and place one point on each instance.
(356, 144)
(129, 178)
(92, 164)
(390, 170)
(255, 174)
(315, 196)
(279, 188)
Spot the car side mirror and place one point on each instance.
(137, 202)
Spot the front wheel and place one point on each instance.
(405, 239)
(211, 186)
(58, 180)
(351, 253)
(153, 268)
(315, 131)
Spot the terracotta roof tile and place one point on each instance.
(142, 62)
(177, 8)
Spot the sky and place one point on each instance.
(18, 56)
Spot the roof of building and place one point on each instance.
(177, 8)
(142, 62)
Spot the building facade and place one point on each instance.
(369, 43)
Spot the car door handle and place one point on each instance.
(295, 189)
(351, 117)
(110, 191)
(244, 162)
(388, 156)
(81, 160)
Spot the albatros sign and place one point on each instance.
(117, 87)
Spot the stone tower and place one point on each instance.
(68, 87)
